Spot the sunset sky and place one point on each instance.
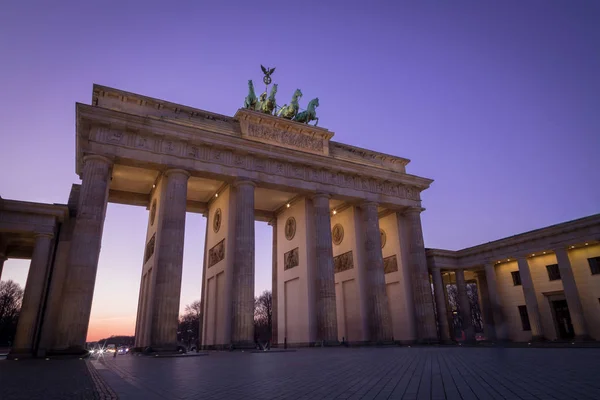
(498, 102)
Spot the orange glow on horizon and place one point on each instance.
(104, 328)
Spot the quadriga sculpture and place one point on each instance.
(310, 114)
(289, 112)
(267, 104)
(250, 100)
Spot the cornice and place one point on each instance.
(58, 211)
(555, 231)
(121, 129)
(166, 129)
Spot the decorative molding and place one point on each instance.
(216, 254)
(368, 157)
(233, 157)
(291, 259)
(290, 228)
(153, 212)
(383, 236)
(343, 262)
(390, 264)
(150, 248)
(337, 234)
(217, 220)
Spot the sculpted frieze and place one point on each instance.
(250, 162)
(286, 138)
(343, 262)
(216, 254)
(390, 264)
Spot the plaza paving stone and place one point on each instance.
(329, 373)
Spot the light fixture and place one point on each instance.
(288, 205)
(586, 244)
(544, 252)
(572, 247)
(533, 255)
(153, 186)
(335, 212)
(216, 194)
(508, 259)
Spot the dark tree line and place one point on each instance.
(188, 331)
(11, 296)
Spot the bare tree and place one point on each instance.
(11, 296)
(263, 316)
(188, 330)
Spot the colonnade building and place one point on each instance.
(349, 262)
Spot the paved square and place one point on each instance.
(360, 373)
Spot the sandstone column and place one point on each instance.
(440, 304)
(324, 274)
(500, 328)
(571, 293)
(465, 306)
(167, 289)
(203, 286)
(378, 313)
(423, 300)
(274, 331)
(486, 305)
(32, 298)
(84, 253)
(242, 318)
(531, 302)
(2, 259)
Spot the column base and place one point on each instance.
(78, 351)
(16, 354)
(583, 338)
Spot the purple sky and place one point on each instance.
(497, 102)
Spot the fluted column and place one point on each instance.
(170, 238)
(84, 252)
(486, 305)
(423, 300)
(242, 327)
(32, 298)
(324, 274)
(500, 328)
(465, 306)
(533, 310)
(571, 294)
(203, 286)
(378, 313)
(274, 330)
(440, 304)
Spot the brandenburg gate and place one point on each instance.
(348, 256)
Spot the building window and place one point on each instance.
(524, 318)
(553, 272)
(516, 275)
(594, 265)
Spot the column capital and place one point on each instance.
(412, 210)
(243, 182)
(435, 268)
(368, 203)
(43, 235)
(97, 157)
(177, 171)
(320, 195)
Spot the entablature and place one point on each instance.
(103, 131)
